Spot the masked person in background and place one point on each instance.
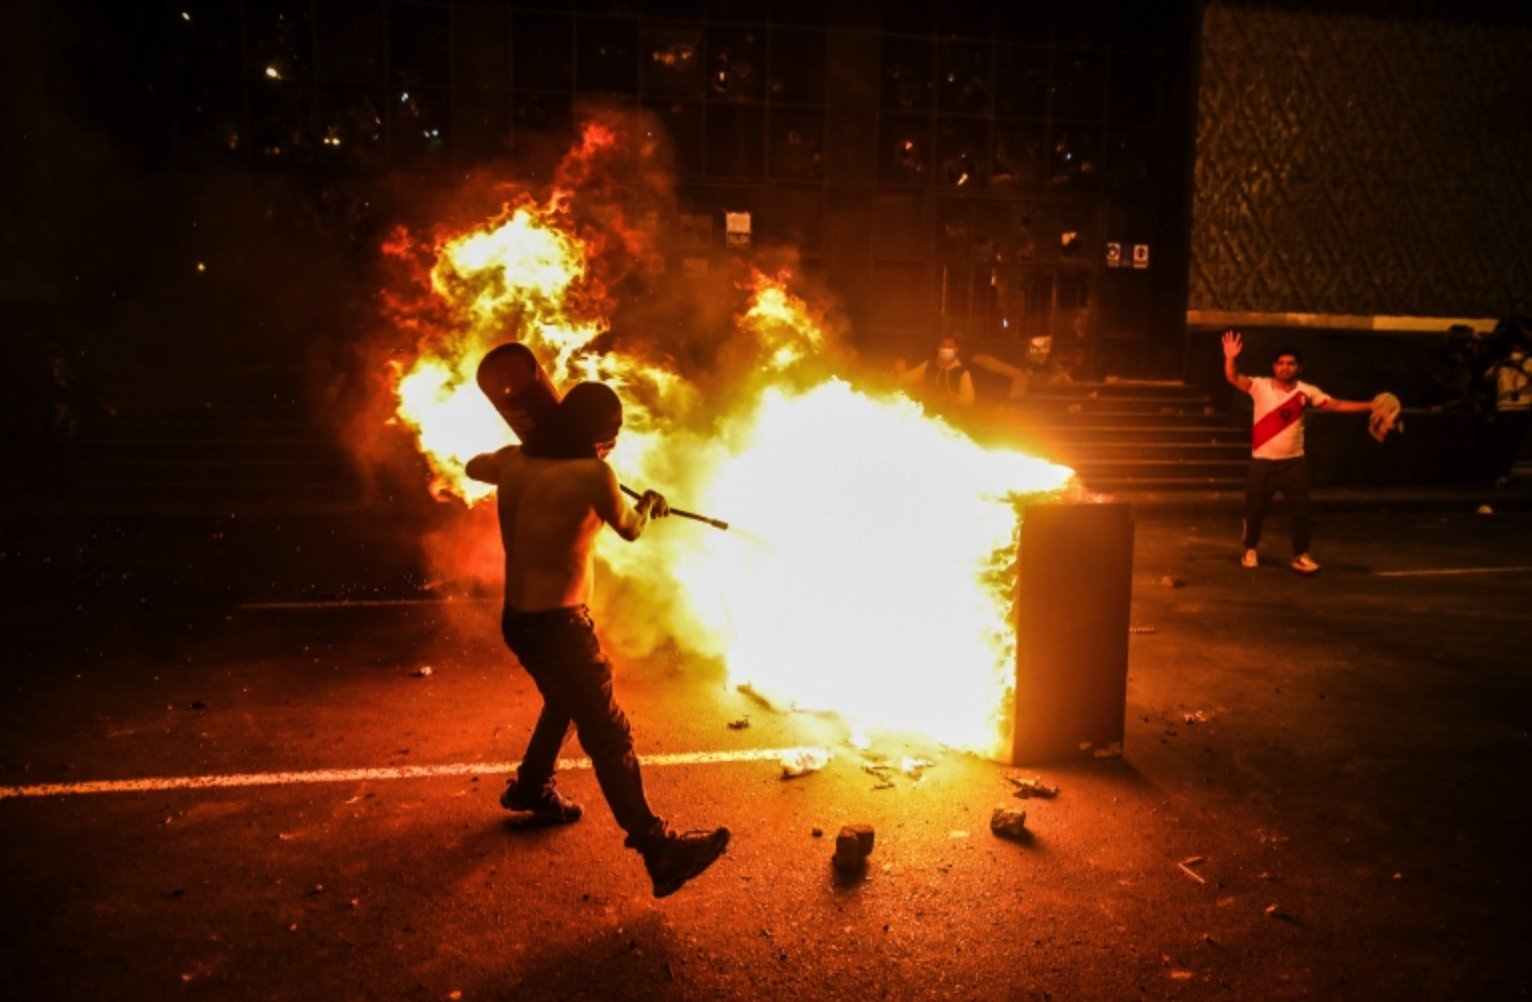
(944, 379)
(552, 500)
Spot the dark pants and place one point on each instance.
(558, 648)
(1291, 477)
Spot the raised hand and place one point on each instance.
(1233, 344)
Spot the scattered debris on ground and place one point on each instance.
(740, 724)
(1172, 582)
(1009, 822)
(852, 847)
(1031, 786)
(802, 761)
(1143, 629)
(424, 671)
(883, 773)
(1276, 912)
(1186, 868)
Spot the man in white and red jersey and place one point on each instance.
(1276, 445)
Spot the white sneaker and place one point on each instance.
(1250, 559)
(1304, 564)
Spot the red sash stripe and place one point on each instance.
(1278, 420)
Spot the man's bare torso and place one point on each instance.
(548, 524)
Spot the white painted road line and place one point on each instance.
(1451, 570)
(364, 603)
(151, 784)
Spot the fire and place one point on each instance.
(871, 571)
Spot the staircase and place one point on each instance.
(1128, 436)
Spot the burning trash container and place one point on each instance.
(1075, 572)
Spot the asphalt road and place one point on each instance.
(1343, 760)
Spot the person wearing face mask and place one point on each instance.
(944, 379)
(553, 496)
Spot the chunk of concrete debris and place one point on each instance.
(1170, 581)
(802, 761)
(1009, 822)
(424, 671)
(1032, 786)
(852, 847)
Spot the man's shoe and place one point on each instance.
(545, 805)
(1250, 559)
(1304, 564)
(679, 858)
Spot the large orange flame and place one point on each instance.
(872, 568)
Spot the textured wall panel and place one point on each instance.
(1359, 164)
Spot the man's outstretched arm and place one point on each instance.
(1345, 406)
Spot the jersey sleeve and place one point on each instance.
(1316, 396)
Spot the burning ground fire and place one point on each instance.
(872, 568)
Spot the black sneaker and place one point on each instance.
(679, 858)
(545, 805)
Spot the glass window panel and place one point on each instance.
(418, 47)
(963, 78)
(962, 153)
(967, 18)
(913, 17)
(909, 74)
(896, 224)
(207, 40)
(1021, 156)
(211, 122)
(682, 121)
(904, 149)
(282, 122)
(797, 144)
(671, 61)
(537, 117)
(955, 228)
(735, 141)
(1021, 82)
(351, 127)
(1077, 85)
(736, 63)
(797, 66)
(419, 125)
(606, 56)
(1135, 88)
(280, 41)
(1075, 163)
(796, 218)
(1030, 23)
(350, 44)
(542, 47)
(1129, 160)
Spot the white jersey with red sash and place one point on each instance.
(1277, 432)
